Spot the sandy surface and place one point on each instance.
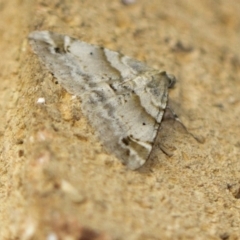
(56, 179)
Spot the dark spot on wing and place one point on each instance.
(125, 141)
(112, 87)
(57, 50)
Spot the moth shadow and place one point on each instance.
(172, 135)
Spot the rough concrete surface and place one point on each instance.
(56, 179)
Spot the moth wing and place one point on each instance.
(127, 116)
(85, 63)
(122, 98)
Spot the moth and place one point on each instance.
(123, 99)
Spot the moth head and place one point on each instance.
(171, 79)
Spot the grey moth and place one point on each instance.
(123, 99)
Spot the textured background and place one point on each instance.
(56, 180)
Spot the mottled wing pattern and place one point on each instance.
(123, 99)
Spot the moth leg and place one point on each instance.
(165, 150)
